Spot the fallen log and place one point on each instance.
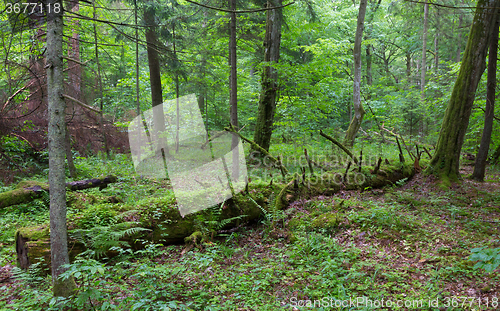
(166, 225)
(29, 190)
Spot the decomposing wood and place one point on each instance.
(399, 146)
(406, 147)
(346, 171)
(309, 161)
(258, 148)
(416, 165)
(401, 157)
(375, 170)
(282, 168)
(336, 142)
(319, 165)
(360, 160)
(427, 151)
(27, 191)
(172, 227)
(14, 95)
(279, 201)
(80, 103)
(212, 137)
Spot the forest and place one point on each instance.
(249, 155)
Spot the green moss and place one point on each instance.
(31, 183)
(194, 238)
(35, 233)
(328, 221)
(20, 194)
(98, 215)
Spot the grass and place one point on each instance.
(406, 244)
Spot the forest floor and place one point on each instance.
(403, 247)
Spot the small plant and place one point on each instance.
(210, 223)
(487, 258)
(33, 276)
(89, 273)
(273, 215)
(101, 239)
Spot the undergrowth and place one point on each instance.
(416, 243)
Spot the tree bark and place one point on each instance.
(436, 52)
(137, 85)
(482, 154)
(424, 51)
(408, 64)
(56, 133)
(69, 154)
(152, 47)
(233, 85)
(445, 162)
(359, 112)
(459, 41)
(99, 80)
(269, 84)
(371, 14)
(75, 81)
(369, 78)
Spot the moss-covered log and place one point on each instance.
(161, 214)
(33, 246)
(27, 191)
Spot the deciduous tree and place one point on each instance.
(359, 112)
(445, 161)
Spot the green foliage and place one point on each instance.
(487, 258)
(34, 276)
(210, 222)
(100, 238)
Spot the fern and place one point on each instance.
(267, 214)
(103, 238)
(209, 227)
(33, 276)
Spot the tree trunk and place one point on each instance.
(369, 79)
(482, 154)
(445, 162)
(408, 64)
(359, 112)
(459, 49)
(436, 52)
(75, 81)
(56, 133)
(233, 84)
(424, 51)
(69, 154)
(155, 81)
(371, 14)
(269, 84)
(99, 80)
(137, 88)
(176, 81)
